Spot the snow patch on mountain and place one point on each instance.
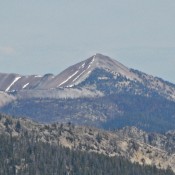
(38, 76)
(68, 79)
(83, 65)
(14, 81)
(25, 85)
(78, 76)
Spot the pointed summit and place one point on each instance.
(79, 72)
(105, 62)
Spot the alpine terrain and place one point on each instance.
(99, 91)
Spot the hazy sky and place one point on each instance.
(41, 36)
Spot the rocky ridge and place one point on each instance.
(129, 142)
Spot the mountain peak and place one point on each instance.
(100, 56)
(73, 75)
(103, 60)
(79, 72)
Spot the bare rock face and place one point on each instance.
(124, 142)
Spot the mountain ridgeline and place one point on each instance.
(99, 91)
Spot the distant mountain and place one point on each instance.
(68, 78)
(100, 68)
(78, 73)
(99, 91)
(27, 143)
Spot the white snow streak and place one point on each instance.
(25, 85)
(38, 76)
(83, 65)
(79, 76)
(68, 79)
(70, 85)
(14, 81)
(91, 62)
(89, 66)
(86, 69)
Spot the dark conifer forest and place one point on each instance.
(28, 156)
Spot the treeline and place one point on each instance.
(152, 114)
(28, 156)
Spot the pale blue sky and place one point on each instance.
(40, 36)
